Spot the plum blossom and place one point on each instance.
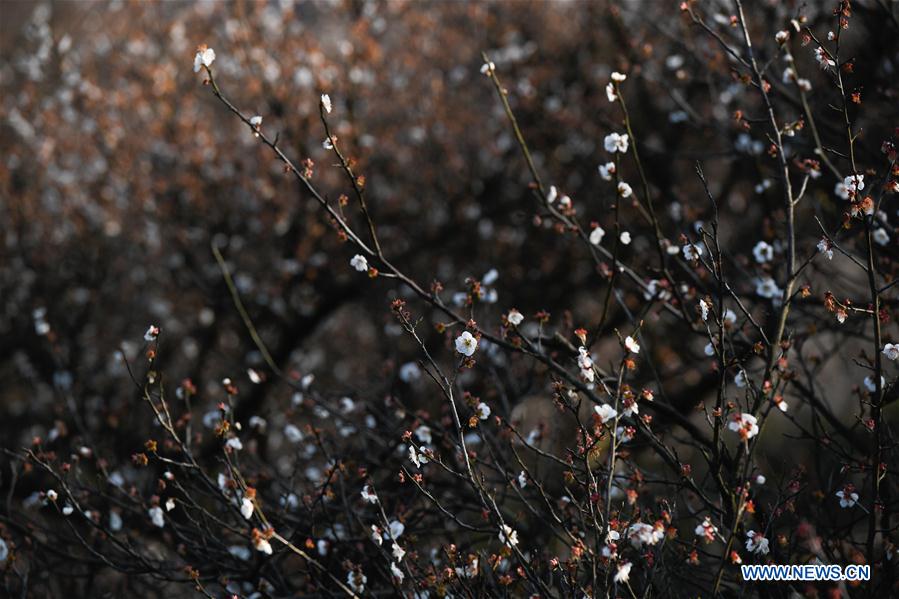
(423, 434)
(246, 508)
(596, 235)
(522, 479)
(356, 580)
(891, 351)
(482, 410)
(691, 252)
(152, 333)
(706, 530)
(466, 344)
(624, 571)
(824, 61)
(826, 248)
(395, 529)
(756, 543)
(740, 380)
(611, 94)
(397, 573)
(292, 433)
(369, 495)
(618, 77)
(605, 412)
(624, 190)
(585, 363)
(398, 552)
(870, 384)
(763, 252)
(607, 170)
(848, 496)
(625, 238)
(204, 58)
(417, 456)
(326, 103)
(488, 68)
(746, 425)
(631, 344)
(851, 186)
(704, 309)
(156, 516)
(359, 263)
(880, 236)
(641, 534)
(515, 317)
(552, 195)
(615, 142)
(508, 536)
(767, 288)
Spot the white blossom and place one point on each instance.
(607, 170)
(880, 236)
(417, 457)
(763, 252)
(157, 516)
(359, 263)
(262, 545)
(515, 317)
(397, 573)
(824, 61)
(746, 425)
(625, 238)
(115, 522)
(482, 410)
(691, 252)
(624, 190)
(423, 434)
(615, 142)
(522, 479)
(624, 571)
(204, 58)
(398, 552)
(891, 351)
(395, 529)
(611, 94)
(52, 495)
(356, 581)
(256, 121)
(326, 103)
(605, 412)
(246, 508)
(740, 379)
(488, 68)
(368, 494)
(508, 536)
(848, 497)
(596, 235)
(825, 247)
(871, 386)
(641, 534)
(585, 363)
(767, 288)
(292, 433)
(466, 344)
(706, 530)
(552, 195)
(756, 543)
(618, 77)
(631, 344)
